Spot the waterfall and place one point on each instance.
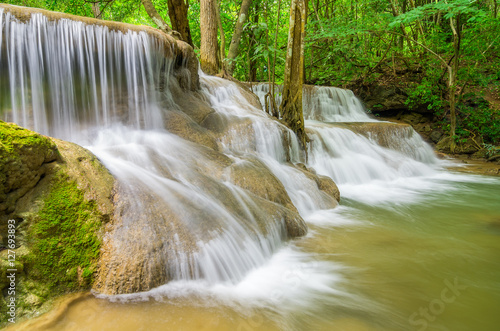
(335, 151)
(96, 77)
(343, 138)
(322, 103)
(210, 206)
(331, 104)
(183, 209)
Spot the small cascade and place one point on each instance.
(336, 150)
(398, 137)
(331, 104)
(343, 138)
(261, 89)
(249, 129)
(322, 103)
(265, 138)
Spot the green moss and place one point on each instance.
(63, 239)
(12, 137)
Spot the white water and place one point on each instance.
(104, 94)
(108, 100)
(67, 76)
(322, 103)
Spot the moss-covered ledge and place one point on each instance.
(59, 218)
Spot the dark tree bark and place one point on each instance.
(209, 59)
(177, 11)
(291, 105)
(252, 66)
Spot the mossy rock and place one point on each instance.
(60, 196)
(24, 159)
(64, 238)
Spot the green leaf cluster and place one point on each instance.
(477, 117)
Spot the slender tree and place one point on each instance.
(222, 52)
(236, 38)
(252, 66)
(452, 82)
(291, 105)
(96, 9)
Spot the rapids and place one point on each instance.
(216, 256)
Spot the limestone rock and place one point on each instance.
(255, 177)
(324, 183)
(182, 125)
(24, 159)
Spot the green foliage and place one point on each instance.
(476, 117)
(491, 150)
(449, 8)
(425, 94)
(63, 239)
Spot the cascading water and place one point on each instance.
(99, 77)
(110, 91)
(343, 138)
(322, 103)
(209, 211)
(265, 138)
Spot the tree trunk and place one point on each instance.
(291, 105)
(273, 68)
(157, 19)
(453, 69)
(252, 66)
(177, 11)
(236, 38)
(209, 59)
(395, 13)
(222, 52)
(96, 10)
(269, 106)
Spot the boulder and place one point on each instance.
(24, 159)
(384, 100)
(55, 191)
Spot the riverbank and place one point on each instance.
(467, 164)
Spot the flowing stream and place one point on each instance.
(410, 246)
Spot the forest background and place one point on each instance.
(432, 63)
